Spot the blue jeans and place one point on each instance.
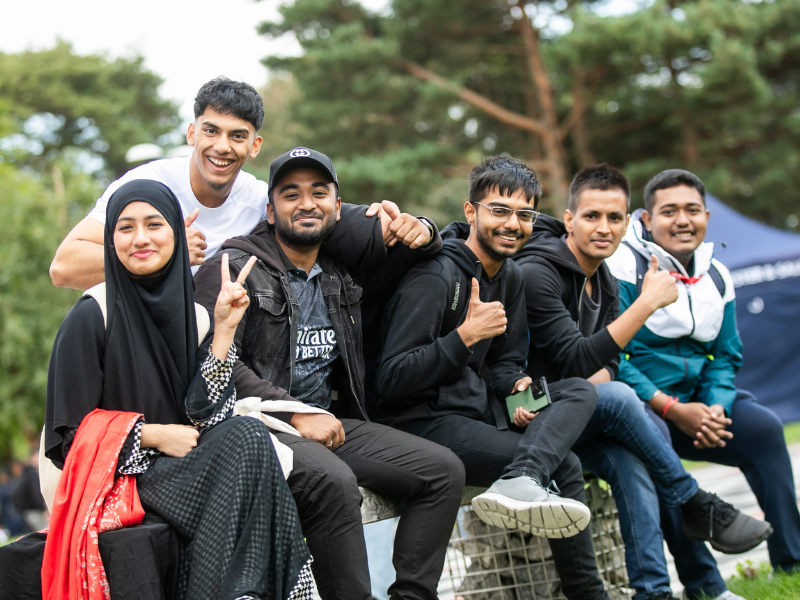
(758, 448)
(623, 446)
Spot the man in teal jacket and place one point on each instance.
(684, 360)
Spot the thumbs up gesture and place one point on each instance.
(195, 240)
(484, 320)
(658, 287)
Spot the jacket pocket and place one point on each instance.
(267, 331)
(352, 289)
(270, 304)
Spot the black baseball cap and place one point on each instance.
(300, 158)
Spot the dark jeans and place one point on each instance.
(758, 448)
(541, 452)
(391, 463)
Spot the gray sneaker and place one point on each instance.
(522, 503)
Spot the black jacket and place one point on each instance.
(425, 369)
(356, 266)
(554, 283)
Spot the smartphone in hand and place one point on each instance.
(533, 399)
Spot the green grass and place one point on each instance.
(758, 582)
(791, 431)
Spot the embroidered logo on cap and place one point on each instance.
(299, 152)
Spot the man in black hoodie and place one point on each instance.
(302, 360)
(576, 331)
(455, 341)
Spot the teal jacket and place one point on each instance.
(690, 349)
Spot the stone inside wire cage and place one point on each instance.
(488, 563)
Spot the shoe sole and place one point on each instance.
(550, 519)
(729, 549)
(726, 549)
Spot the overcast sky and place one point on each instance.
(187, 42)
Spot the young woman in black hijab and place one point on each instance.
(215, 479)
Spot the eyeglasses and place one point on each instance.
(503, 214)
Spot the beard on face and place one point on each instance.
(485, 239)
(304, 236)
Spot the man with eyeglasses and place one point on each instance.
(455, 340)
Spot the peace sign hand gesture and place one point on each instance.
(232, 300)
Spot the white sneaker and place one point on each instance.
(522, 503)
(728, 595)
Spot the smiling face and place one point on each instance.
(678, 221)
(494, 241)
(222, 144)
(304, 207)
(143, 239)
(595, 229)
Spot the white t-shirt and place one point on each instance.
(244, 208)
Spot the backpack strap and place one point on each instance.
(642, 265)
(716, 277)
(98, 292)
(203, 322)
(641, 268)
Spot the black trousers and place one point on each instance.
(393, 464)
(542, 451)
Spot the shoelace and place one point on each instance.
(727, 510)
(552, 488)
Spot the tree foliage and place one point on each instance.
(35, 218)
(60, 113)
(85, 109)
(407, 99)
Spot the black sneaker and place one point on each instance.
(663, 596)
(709, 519)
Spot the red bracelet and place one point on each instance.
(673, 400)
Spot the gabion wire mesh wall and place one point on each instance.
(488, 563)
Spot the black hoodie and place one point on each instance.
(425, 369)
(554, 283)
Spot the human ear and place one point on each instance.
(338, 208)
(270, 213)
(256, 147)
(646, 221)
(469, 213)
(190, 135)
(568, 220)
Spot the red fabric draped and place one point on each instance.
(89, 501)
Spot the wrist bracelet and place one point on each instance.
(670, 403)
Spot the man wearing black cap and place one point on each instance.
(302, 352)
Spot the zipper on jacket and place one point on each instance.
(691, 309)
(580, 303)
(292, 328)
(343, 349)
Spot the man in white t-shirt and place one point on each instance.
(217, 198)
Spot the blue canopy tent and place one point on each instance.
(765, 266)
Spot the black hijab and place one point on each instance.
(152, 315)
(145, 359)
